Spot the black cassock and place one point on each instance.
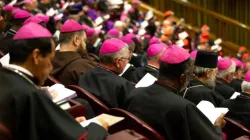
(6, 41)
(128, 74)
(224, 89)
(140, 72)
(239, 109)
(197, 91)
(31, 115)
(236, 85)
(107, 86)
(169, 114)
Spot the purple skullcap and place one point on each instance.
(127, 40)
(224, 64)
(33, 19)
(193, 54)
(112, 45)
(71, 25)
(174, 55)
(20, 14)
(155, 49)
(31, 31)
(114, 32)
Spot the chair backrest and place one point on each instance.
(95, 103)
(76, 110)
(133, 123)
(234, 129)
(94, 57)
(4, 132)
(126, 135)
(50, 81)
(243, 138)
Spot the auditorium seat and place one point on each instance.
(126, 135)
(4, 132)
(95, 103)
(133, 123)
(94, 57)
(234, 129)
(243, 138)
(76, 109)
(50, 81)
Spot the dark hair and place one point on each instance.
(51, 25)
(67, 37)
(19, 50)
(173, 71)
(18, 22)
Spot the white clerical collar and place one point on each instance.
(21, 69)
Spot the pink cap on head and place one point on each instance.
(90, 32)
(15, 10)
(131, 35)
(224, 64)
(127, 40)
(237, 62)
(123, 16)
(71, 26)
(247, 76)
(21, 14)
(43, 17)
(33, 19)
(136, 1)
(27, 1)
(155, 49)
(147, 36)
(154, 40)
(164, 45)
(85, 27)
(112, 45)
(193, 53)
(114, 32)
(174, 55)
(8, 8)
(30, 31)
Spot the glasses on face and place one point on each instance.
(128, 58)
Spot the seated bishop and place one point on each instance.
(28, 112)
(71, 61)
(104, 81)
(161, 107)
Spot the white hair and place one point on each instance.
(223, 73)
(245, 86)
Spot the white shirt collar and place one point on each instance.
(20, 69)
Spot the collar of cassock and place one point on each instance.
(23, 71)
(165, 85)
(108, 70)
(152, 67)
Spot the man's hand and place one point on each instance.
(220, 121)
(80, 119)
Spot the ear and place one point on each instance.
(76, 41)
(35, 56)
(117, 63)
(208, 73)
(182, 79)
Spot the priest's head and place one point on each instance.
(73, 37)
(18, 19)
(245, 86)
(226, 70)
(239, 68)
(175, 67)
(154, 53)
(130, 43)
(33, 49)
(205, 68)
(114, 55)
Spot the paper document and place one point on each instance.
(146, 81)
(125, 69)
(63, 93)
(109, 119)
(5, 60)
(51, 12)
(235, 95)
(212, 113)
(98, 21)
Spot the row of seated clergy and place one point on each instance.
(25, 108)
(168, 113)
(237, 80)
(239, 107)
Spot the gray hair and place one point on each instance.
(110, 57)
(201, 71)
(223, 73)
(245, 86)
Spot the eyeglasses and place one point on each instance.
(128, 58)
